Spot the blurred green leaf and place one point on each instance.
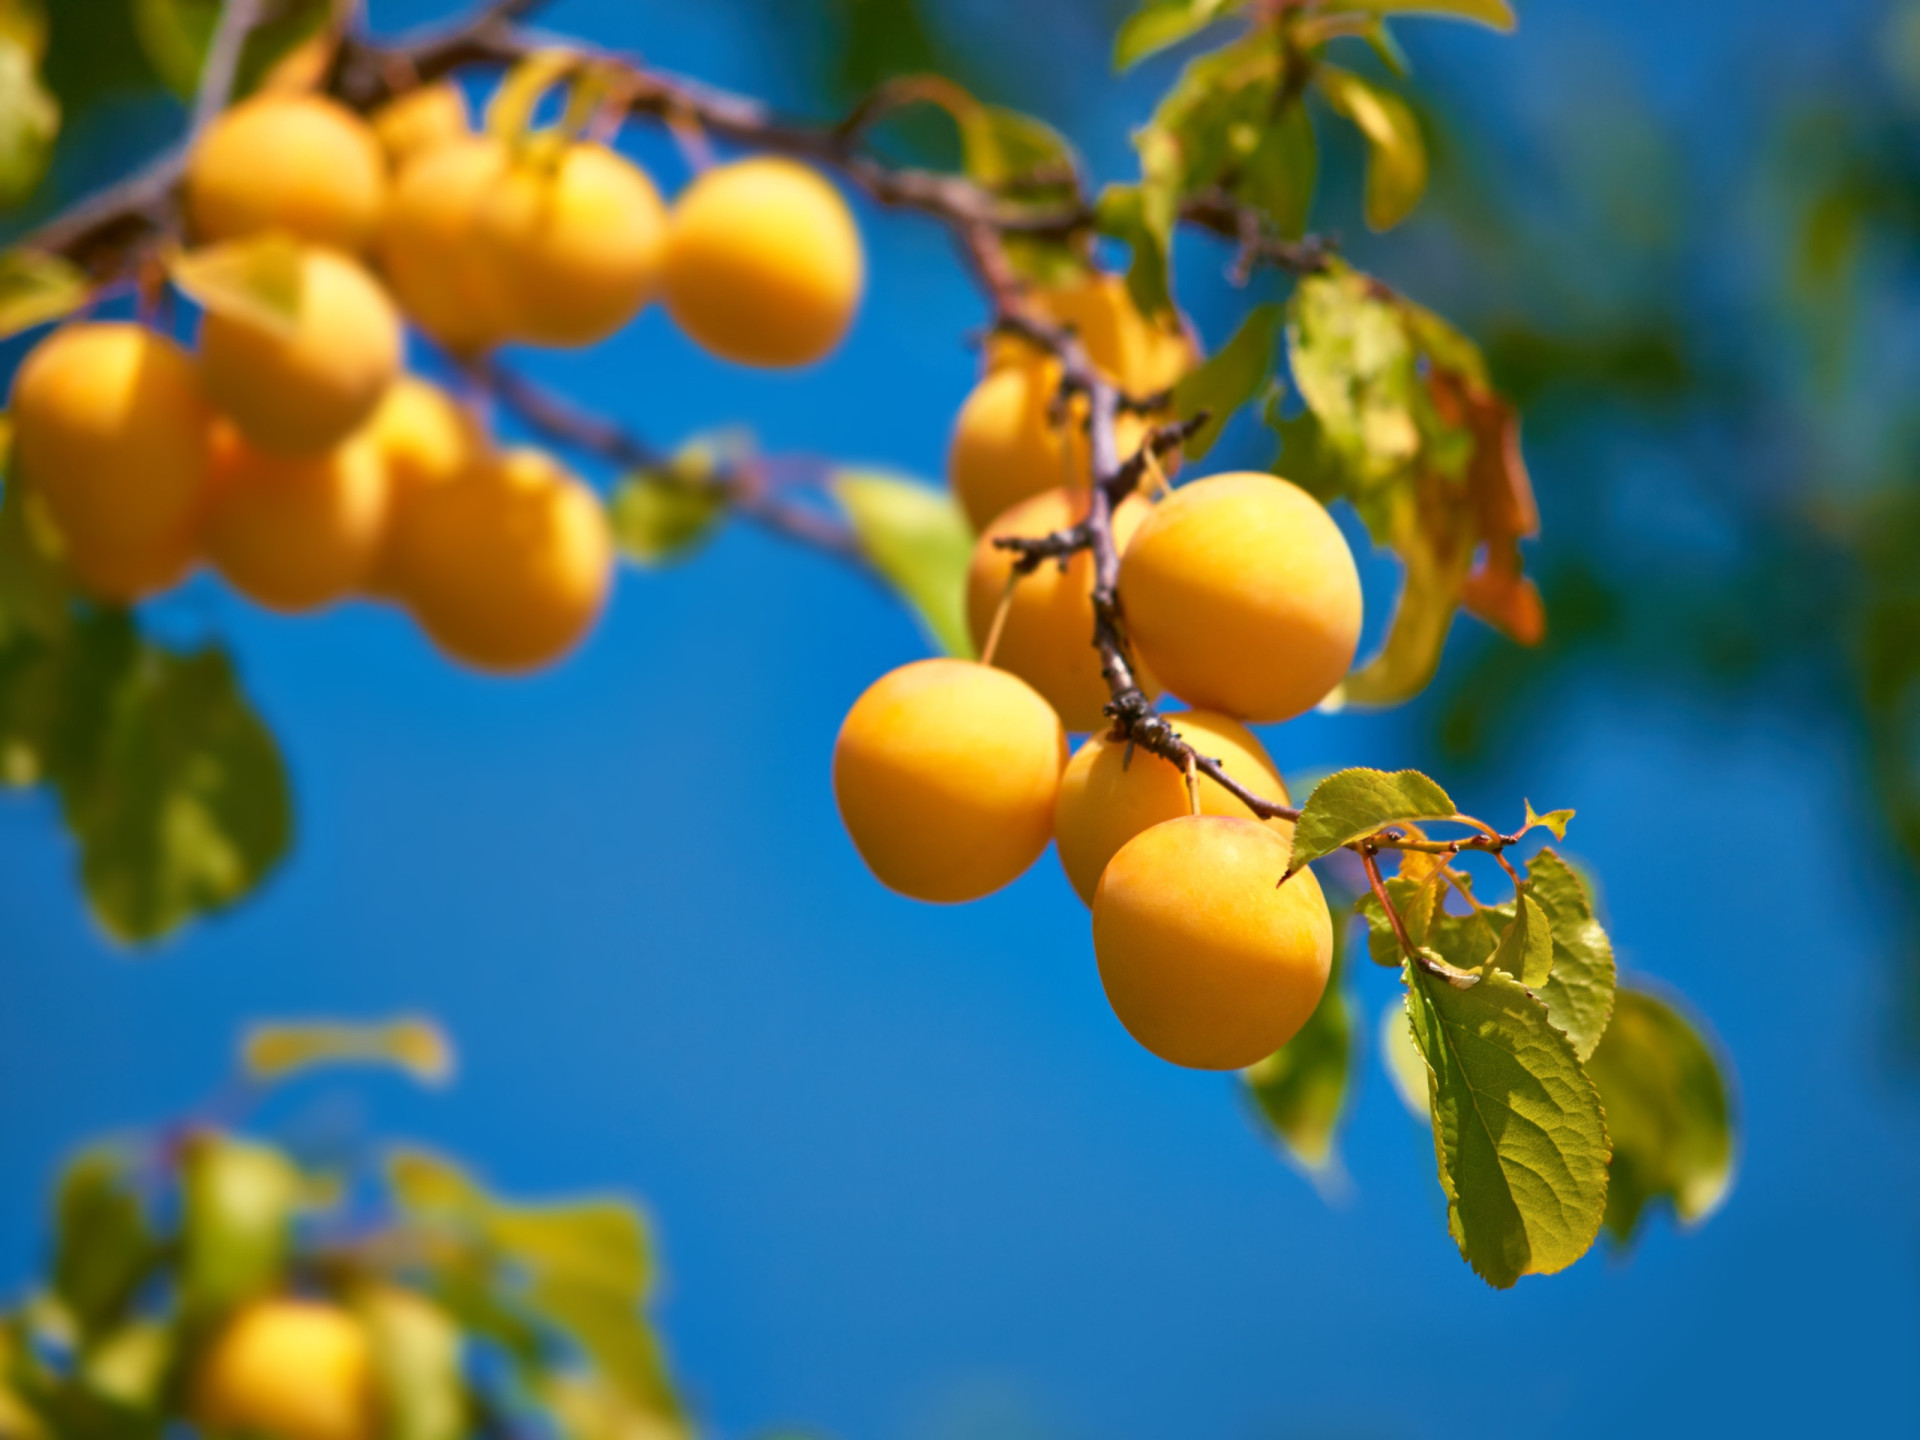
(1121, 212)
(256, 281)
(1406, 1070)
(130, 1366)
(57, 701)
(103, 1245)
(1302, 1087)
(592, 1245)
(1161, 23)
(1525, 950)
(37, 289)
(1279, 175)
(1422, 614)
(1667, 1111)
(1350, 804)
(236, 1224)
(431, 1187)
(1353, 364)
(1497, 13)
(614, 1336)
(419, 1047)
(187, 810)
(659, 516)
(417, 1365)
(588, 1409)
(29, 120)
(34, 595)
(1241, 371)
(1579, 993)
(1396, 150)
(1004, 146)
(1518, 1132)
(919, 540)
(177, 33)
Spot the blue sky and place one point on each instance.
(912, 1178)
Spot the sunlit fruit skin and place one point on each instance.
(301, 164)
(111, 433)
(1241, 594)
(1047, 638)
(1112, 791)
(946, 772)
(1008, 445)
(301, 393)
(287, 1370)
(424, 439)
(1141, 356)
(296, 534)
(573, 243)
(421, 120)
(764, 264)
(1205, 960)
(508, 567)
(429, 247)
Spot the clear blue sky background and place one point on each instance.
(912, 1178)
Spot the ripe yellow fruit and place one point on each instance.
(1008, 447)
(1047, 638)
(110, 431)
(946, 772)
(288, 1370)
(572, 243)
(294, 534)
(424, 439)
(429, 246)
(764, 264)
(506, 567)
(1206, 962)
(1241, 594)
(422, 120)
(1108, 796)
(298, 163)
(1139, 355)
(302, 392)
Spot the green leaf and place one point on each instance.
(130, 1366)
(1497, 13)
(29, 121)
(1000, 147)
(1554, 821)
(176, 34)
(1351, 804)
(664, 515)
(34, 595)
(417, 1365)
(1422, 615)
(419, 1047)
(1354, 365)
(615, 1337)
(1161, 23)
(1579, 993)
(38, 289)
(236, 1224)
(594, 1245)
(1667, 1111)
(103, 1246)
(1525, 950)
(1302, 1087)
(588, 1409)
(1121, 212)
(430, 1187)
(1518, 1132)
(1396, 150)
(58, 699)
(187, 810)
(918, 539)
(1279, 176)
(1240, 371)
(256, 281)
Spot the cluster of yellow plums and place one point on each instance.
(1240, 596)
(302, 463)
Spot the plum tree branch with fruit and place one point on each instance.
(293, 456)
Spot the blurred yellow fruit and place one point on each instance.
(507, 567)
(946, 771)
(421, 120)
(304, 391)
(572, 243)
(764, 263)
(295, 534)
(298, 163)
(1141, 356)
(430, 248)
(424, 439)
(1241, 594)
(1008, 446)
(287, 1370)
(110, 431)
(1112, 791)
(1207, 962)
(1047, 638)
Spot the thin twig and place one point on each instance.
(221, 69)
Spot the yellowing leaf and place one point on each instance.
(419, 1047)
(1239, 372)
(1396, 150)
(1497, 13)
(1554, 821)
(1160, 23)
(255, 281)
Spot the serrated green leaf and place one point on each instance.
(256, 281)
(1525, 950)
(1161, 23)
(236, 1223)
(419, 1047)
(1239, 372)
(1518, 1132)
(38, 289)
(417, 1365)
(1396, 149)
(1350, 804)
(918, 539)
(1554, 821)
(187, 809)
(1668, 1112)
(1579, 993)
(594, 1245)
(1301, 1088)
(1406, 1071)
(103, 1245)
(1279, 176)
(1497, 13)
(1354, 365)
